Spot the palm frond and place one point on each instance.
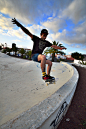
(52, 51)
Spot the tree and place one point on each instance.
(15, 49)
(3, 45)
(77, 56)
(0, 47)
(22, 51)
(4, 51)
(54, 51)
(8, 50)
(28, 53)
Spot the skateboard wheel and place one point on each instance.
(46, 84)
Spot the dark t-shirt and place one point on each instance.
(39, 45)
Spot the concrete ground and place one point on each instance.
(22, 87)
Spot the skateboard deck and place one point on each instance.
(50, 81)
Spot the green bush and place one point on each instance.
(4, 51)
(58, 60)
(83, 63)
(24, 57)
(29, 58)
(62, 59)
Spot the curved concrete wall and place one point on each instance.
(78, 61)
(80, 65)
(49, 112)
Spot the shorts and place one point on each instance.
(35, 57)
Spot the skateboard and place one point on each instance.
(50, 81)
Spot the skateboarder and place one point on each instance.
(39, 45)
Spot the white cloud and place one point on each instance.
(16, 40)
(5, 23)
(77, 46)
(84, 49)
(6, 28)
(76, 35)
(81, 28)
(58, 36)
(55, 36)
(18, 9)
(1, 31)
(26, 10)
(69, 53)
(49, 14)
(54, 24)
(35, 29)
(18, 33)
(31, 11)
(75, 11)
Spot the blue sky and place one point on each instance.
(65, 21)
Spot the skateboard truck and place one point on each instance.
(49, 81)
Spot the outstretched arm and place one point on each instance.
(22, 27)
(57, 47)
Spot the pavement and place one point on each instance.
(22, 87)
(75, 117)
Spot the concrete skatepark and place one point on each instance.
(25, 100)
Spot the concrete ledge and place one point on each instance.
(48, 113)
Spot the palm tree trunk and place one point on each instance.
(53, 56)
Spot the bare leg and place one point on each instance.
(43, 60)
(49, 66)
(49, 69)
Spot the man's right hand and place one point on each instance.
(63, 48)
(22, 27)
(16, 22)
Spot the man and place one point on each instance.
(39, 45)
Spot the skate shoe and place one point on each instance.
(45, 77)
(50, 77)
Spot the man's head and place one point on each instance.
(44, 34)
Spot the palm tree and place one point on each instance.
(54, 51)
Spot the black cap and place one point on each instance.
(44, 31)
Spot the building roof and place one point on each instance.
(69, 57)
